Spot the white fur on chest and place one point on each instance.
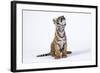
(62, 40)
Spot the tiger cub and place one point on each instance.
(59, 44)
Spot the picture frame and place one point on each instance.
(32, 29)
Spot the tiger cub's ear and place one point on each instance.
(54, 20)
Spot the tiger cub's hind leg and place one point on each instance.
(52, 52)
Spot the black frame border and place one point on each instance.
(14, 28)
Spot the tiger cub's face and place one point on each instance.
(60, 23)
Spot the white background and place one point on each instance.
(5, 35)
(38, 34)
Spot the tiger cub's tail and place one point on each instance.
(69, 52)
(47, 54)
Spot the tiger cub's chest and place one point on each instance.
(61, 39)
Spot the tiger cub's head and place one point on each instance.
(60, 23)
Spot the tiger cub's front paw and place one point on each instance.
(64, 56)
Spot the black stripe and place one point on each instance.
(47, 54)
(60, 35)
